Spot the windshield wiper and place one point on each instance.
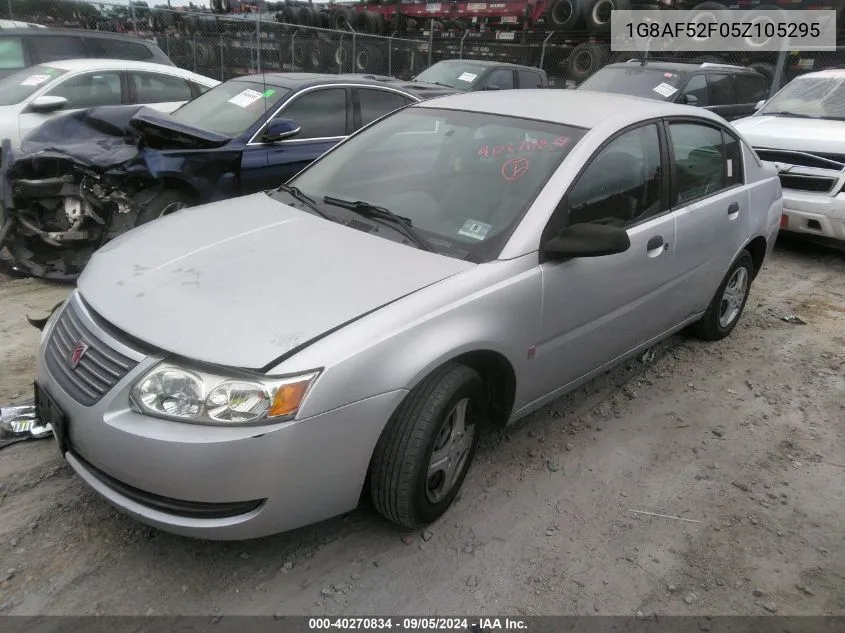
(436, 83)
(790, 114)
(369, 210)
(296, 194)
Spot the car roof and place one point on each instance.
(579, 108)
(37, 30)
(683, 67)
(71, 65)
(303, 80)
(486, 63)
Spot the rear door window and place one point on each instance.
(529, 79)
(12, 55)
(159, 88)
(376, 103)
(701, 167)
(50, 48)
(501, 79)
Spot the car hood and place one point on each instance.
(161, 130)
(244, 282)
(805, 135)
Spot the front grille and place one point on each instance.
(816, 160)
(100, 367)
(815, 184)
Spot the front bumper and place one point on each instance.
(214, 482)
(818, 215)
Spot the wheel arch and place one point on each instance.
(180, 185)
(496, 372)
(757, 249)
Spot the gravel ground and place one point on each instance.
(740, 444)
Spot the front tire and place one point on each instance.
(727, 305)
(167, 202)
(425, 452)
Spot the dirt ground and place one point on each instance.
(740, 443)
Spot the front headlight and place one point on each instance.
(172, 392)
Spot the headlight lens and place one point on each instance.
(169, 391)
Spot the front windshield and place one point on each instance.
(460, 75)
(811, 97)
(230, 108)
(15, 88)
(463, 179)
(636, 81)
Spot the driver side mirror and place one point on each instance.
(759, 105)
(280, 129)
(587, 240)
(689, 99)
(46, 103)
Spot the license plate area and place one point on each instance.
(50, 413)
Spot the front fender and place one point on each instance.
(491, 307)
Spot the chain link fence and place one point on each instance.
(299, 37)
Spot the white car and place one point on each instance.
(802, 131)
(33, 95)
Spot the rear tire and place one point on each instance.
(423, 456)
(727, 305)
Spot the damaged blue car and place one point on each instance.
(81, 179)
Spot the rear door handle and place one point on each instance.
(733, 209)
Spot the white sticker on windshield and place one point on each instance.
(35, 80)
(467, 77)
(475, 230)
(245, 98)
(665, 90)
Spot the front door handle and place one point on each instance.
(656, 246)
(733, 209)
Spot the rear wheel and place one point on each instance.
(425, 452)
(727, 305)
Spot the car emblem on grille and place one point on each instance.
(78, 352)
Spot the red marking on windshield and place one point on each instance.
(514, 169)
(533, 145)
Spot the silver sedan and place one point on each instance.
(250, 366)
